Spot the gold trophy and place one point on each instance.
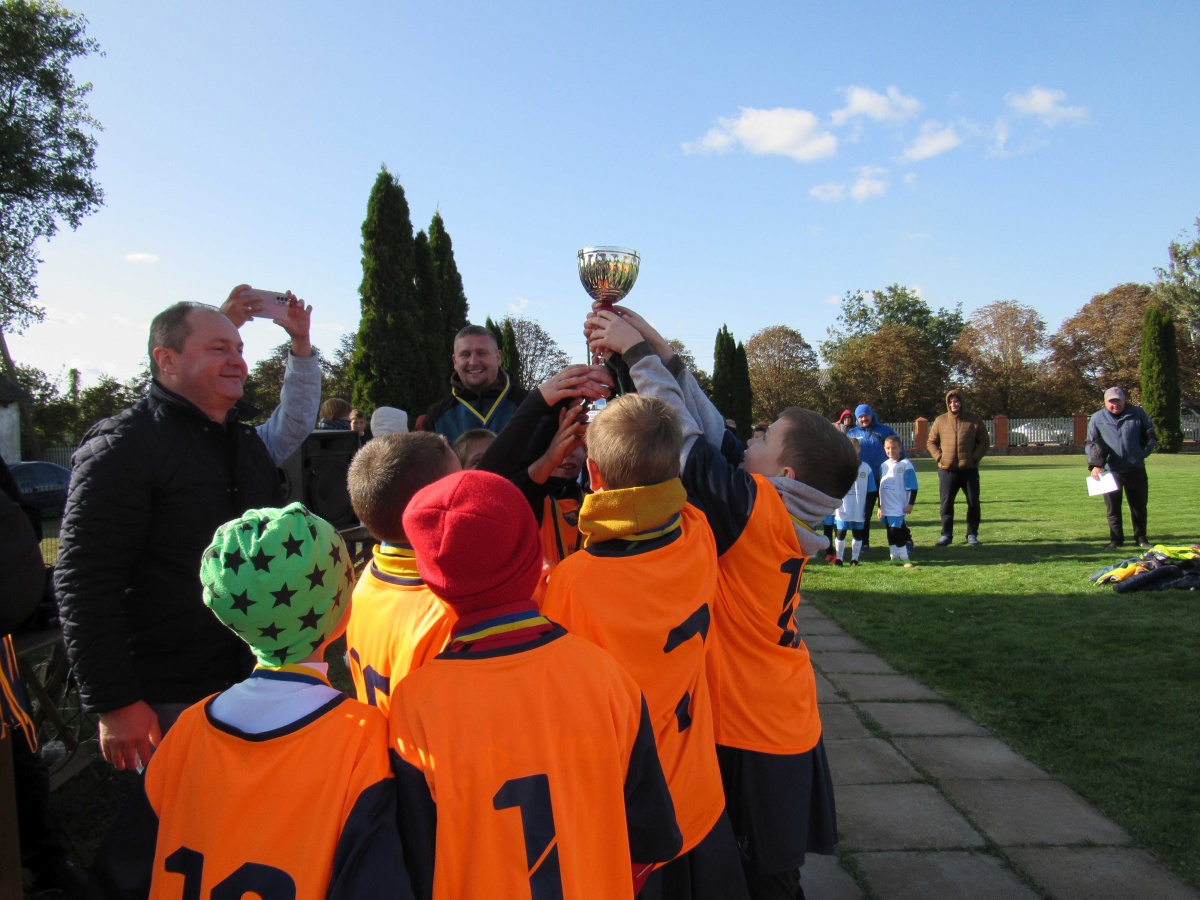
(608, 274)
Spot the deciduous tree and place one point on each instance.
(538, 354)
(47, 144)
(890, 370)
(702, 377)
(864, 314)
(783, 371)
(1100, 346)
(1001, 356)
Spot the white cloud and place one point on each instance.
(518, 305)
(795, 133)
(917, 236)
(141, 258)
(1047, 105)
(827, 193)
(894, 107)
(932, 141)
(833, 300)
(1000, 135)
(870, 183)
(910, 178)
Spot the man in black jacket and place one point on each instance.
(149, 487)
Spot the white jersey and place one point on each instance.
(854, 504)
(896, 479)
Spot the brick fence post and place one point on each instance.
(921, 435)
(1080, 429)
(1000, 426)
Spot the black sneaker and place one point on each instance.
(972, 540)
(1142, 542)
(943, 540)
(1113, 545)
(854, 562)
(837, 562)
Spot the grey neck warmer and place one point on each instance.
(808, 505)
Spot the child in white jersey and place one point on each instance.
(851, 515)
(897, 494)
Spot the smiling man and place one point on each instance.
(482, 395)
(149, 487)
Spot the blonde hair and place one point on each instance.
(635, 441)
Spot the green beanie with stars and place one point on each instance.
(281, 579)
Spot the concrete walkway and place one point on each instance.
(932, 807)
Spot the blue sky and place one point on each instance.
(763, 159)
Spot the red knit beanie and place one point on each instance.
(476, 541)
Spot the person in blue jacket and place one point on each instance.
(871, 434)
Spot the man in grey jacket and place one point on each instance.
(1119, 438)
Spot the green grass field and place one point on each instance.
(1101, 689)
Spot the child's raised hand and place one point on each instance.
(592, 382)
(566, 441)
(645, 329)
(609, 331)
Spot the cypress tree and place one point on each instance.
(724, 353)
(429, 344)
(510, 354)
(742, 393)
(495, 330)
(384, 369)
(451, 299)
(1160, 379)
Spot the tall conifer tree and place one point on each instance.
(429, 345)
(451, 299)
(384, 369)
(1160, 379)
(510, 354)
(742, 395)
(724, 353)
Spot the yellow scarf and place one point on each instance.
(626, 512)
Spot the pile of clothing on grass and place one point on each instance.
(1161, 568)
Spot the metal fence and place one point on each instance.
(1040, 432)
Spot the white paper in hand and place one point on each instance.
(1105, 484)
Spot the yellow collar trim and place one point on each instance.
(483, 420)
(632, 513)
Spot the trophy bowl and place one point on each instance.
(608, 273)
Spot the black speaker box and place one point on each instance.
(316, 475)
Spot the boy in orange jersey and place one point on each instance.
(528, 751)
(643, 588)
(762, 503)
(279, 786)
(397, 624)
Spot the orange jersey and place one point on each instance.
(764, 691)
(648, 603)
(559, 529)
(396, 624)
(528, 754)
(279, 814)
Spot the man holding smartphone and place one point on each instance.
(148, 489)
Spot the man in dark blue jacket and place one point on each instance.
(1119, 438)
(482, 395)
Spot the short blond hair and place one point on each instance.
(635, 442)
(388, 471)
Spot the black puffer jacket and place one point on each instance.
(149, 488)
